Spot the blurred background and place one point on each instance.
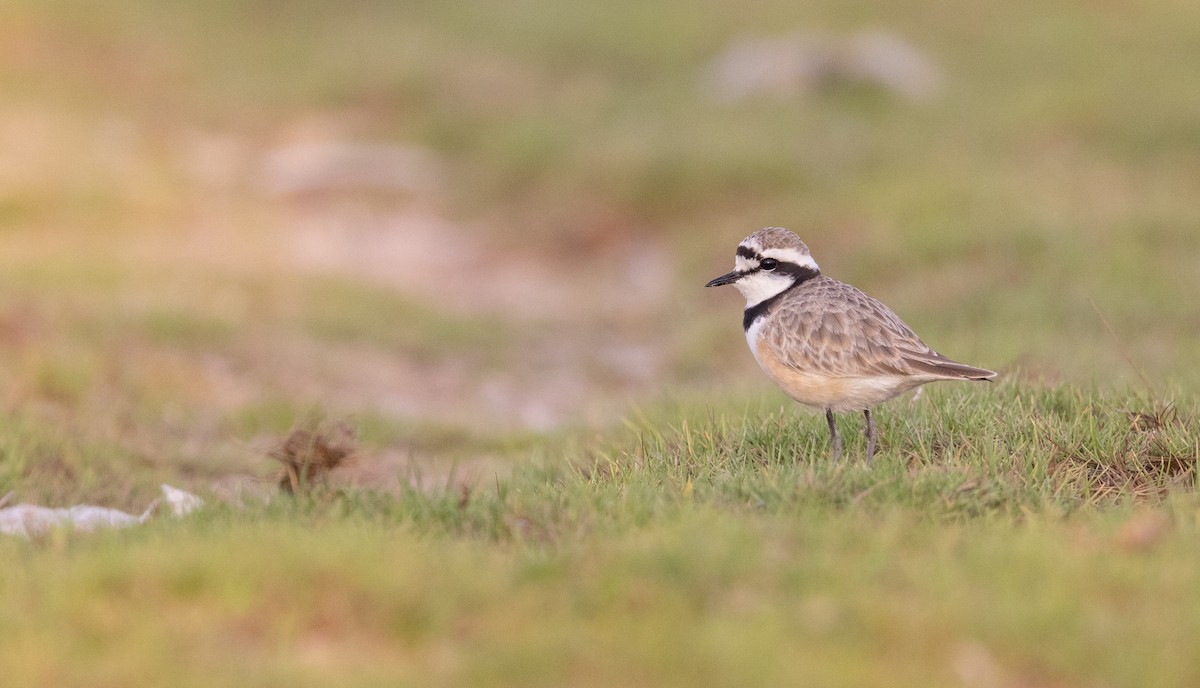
(466, 224)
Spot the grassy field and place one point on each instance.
(475, 233)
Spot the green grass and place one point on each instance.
(318, 597)
(156, 325)
(994, 539)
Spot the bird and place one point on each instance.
(826, 344)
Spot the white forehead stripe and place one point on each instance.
(742, 263)
(791, 255)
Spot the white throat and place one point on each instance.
(760, 286)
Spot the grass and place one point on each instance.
(851, 598)
(164, 319)
(1015, 536)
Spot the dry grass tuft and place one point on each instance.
(1159, 418)
(1148, 461)
(308, 455)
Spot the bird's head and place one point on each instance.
(767, 263)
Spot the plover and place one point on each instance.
(824, 342)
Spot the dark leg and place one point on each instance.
(834, 436)
(870, 436)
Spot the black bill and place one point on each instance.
(727, 278)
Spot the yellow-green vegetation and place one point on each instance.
(984, 548)
(476, 233)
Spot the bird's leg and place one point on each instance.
(870, 436)
(834, 436)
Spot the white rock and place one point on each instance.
(803, 62)
(181, 502)
(30, 520)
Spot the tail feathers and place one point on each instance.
(951, 370)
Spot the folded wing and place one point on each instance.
(832, 328)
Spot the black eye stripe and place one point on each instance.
(799, 272)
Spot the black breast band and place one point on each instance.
(800, 273)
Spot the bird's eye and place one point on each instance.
(768, 264)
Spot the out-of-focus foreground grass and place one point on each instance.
(475, 228)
